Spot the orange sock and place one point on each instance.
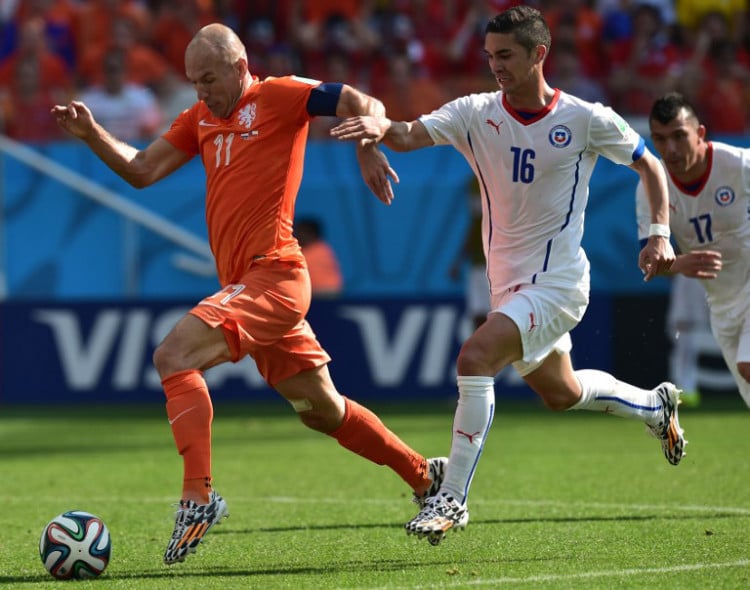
(190, 413)
(363, 433)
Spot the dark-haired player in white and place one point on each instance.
(709, 201)
(533, 149)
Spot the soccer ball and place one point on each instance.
(75, 545)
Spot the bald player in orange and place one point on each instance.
(250, 135)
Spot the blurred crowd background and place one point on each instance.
(125, 57)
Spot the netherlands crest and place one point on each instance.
(560, 136)
(246, 116)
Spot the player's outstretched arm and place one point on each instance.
(657, 255)
(139, 168)
(400, 136)
(368, 129)
(75, 118)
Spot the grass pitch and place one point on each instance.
(559, 501)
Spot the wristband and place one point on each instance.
(658, 229)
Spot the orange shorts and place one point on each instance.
(263, 316)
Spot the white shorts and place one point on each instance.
(545, 316)
(732, 334)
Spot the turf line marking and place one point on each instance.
(612, 505)
(581, 576)
(581, 505)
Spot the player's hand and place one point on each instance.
(75, 118)
(376, 172)
(656, 257)
(369, 130)
(699, 264)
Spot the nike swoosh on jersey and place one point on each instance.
(204, 123)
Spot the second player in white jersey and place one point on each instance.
(712, 214)
(709, 200)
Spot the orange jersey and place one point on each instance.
(253, 161)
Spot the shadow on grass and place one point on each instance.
(488, 521)
(178, 572)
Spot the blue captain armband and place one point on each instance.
(324, 99)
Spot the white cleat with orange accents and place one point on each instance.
(192, 522)
(668, 430)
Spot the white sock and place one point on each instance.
(601, 392)
(474, 413)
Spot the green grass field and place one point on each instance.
(559, 501)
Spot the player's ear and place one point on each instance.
(701, 131)
(241, 67)
(541, 53)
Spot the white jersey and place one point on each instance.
(534, 177)
(713, 214)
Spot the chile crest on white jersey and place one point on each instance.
(560, 136)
